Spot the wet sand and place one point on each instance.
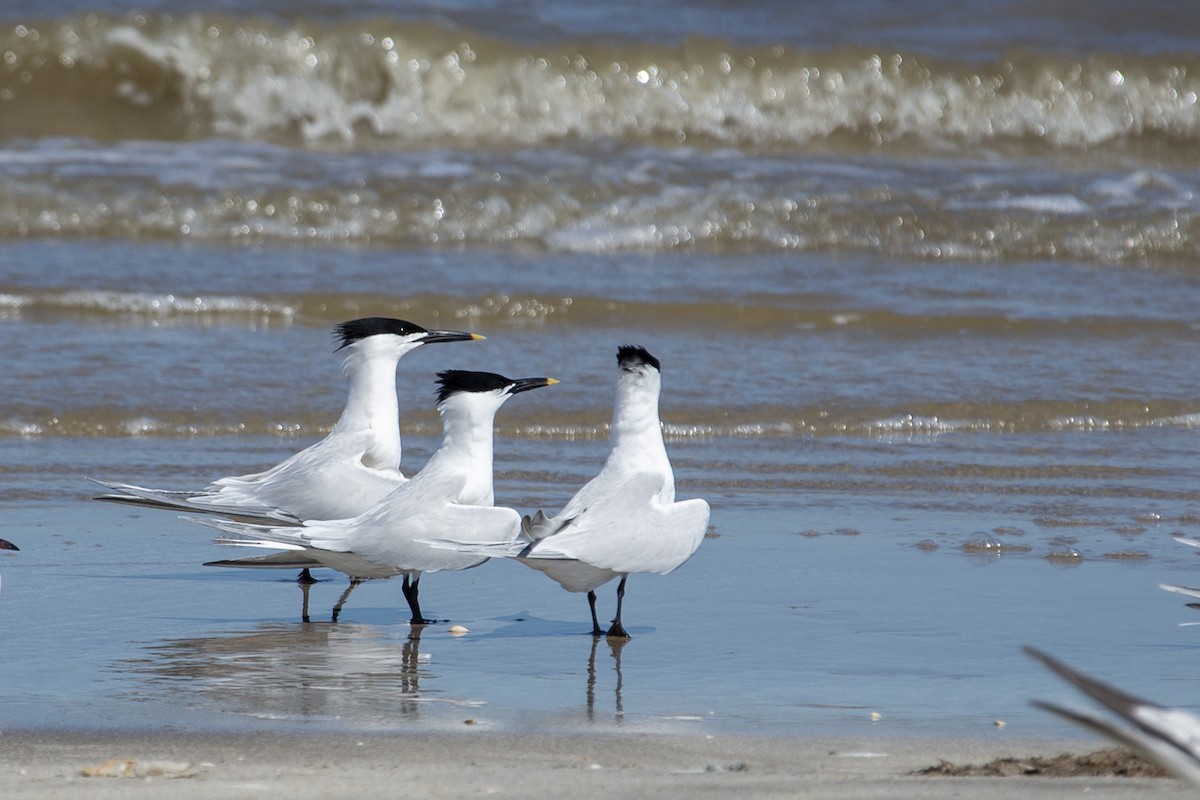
(50, 764)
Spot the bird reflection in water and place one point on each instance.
(306, 585)
(302, 673)
(616, 645)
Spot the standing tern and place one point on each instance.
(625, 519)
(1168, 736)
(344, 474)
(453, 492)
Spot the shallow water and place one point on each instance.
(814, 605)
(926, 346)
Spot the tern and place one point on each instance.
(1167, 736)
(625, 519)
(452, 492)
(5, 544)
(344, 474)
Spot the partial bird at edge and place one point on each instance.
(1186, 591)
(5, 544)
(1167, 736)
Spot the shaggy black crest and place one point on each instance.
(461, 380)
(630, 355)
(357, 329)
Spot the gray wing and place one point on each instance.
(1168, 736)
(630, 530)
(288, 559)
(479, 532)
(1187, 591)
(128, 494)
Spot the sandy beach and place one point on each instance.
(179, 766)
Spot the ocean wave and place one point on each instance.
(599, 200)
(421, 85)
(928, 425)
(682, 423)
(312, 309)
(93, 303)
(778, 314)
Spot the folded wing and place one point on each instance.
(629, 530)
(245, 509)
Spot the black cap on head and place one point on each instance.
(462, 380)
(357, 329)
(630, 355)
(453, 381)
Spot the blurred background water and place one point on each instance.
(922, 277)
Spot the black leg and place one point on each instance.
(305, 577)
(411, 589)
(617, 630)
(337, 607)
(596, 629)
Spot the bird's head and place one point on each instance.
(460, 388)
(638, 371)
(387, 335)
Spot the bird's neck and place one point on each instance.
(371, 406)
(467, 450)
(636, 441)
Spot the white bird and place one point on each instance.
(1168, 736)
(5, 544)
(452, 492)
(1186, 591)
(344, 474)
(625, 519)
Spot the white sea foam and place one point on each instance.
(1178, 420)
(417, 83)
(913, 423)
(1047, 204)
(158, 304)
(1085, 422)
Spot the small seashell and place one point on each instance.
(458, 630)
(131, 768)
(112, 768)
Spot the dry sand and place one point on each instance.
(179, 766)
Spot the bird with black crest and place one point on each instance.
(624, 520)
(345, 473)
(452, 492)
